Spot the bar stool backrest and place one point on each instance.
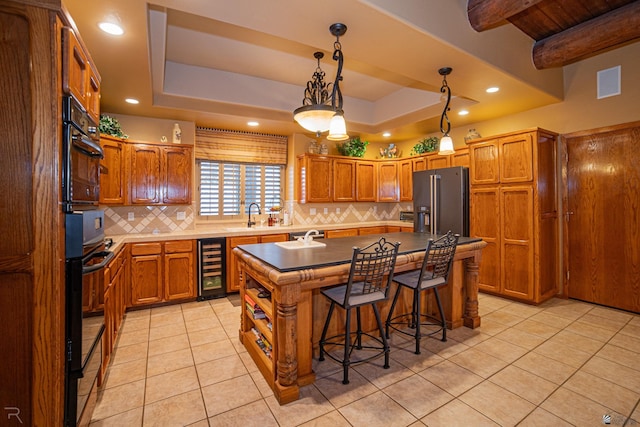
(439, 257)
(371, 272)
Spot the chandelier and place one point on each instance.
(446, 143)
(321, 109)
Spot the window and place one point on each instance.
(227, 189)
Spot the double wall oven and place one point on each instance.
(85, 258)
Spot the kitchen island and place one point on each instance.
(294, 276)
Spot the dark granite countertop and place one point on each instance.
(337, 251)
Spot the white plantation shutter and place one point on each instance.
(227, 189)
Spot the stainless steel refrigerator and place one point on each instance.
(441, 200)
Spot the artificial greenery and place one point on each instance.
(111, 126)
(353, 147)
(425, 145)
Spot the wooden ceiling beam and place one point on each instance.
(487, 14)
(607, 31)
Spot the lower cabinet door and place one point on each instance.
(179, 276)
(146, 279)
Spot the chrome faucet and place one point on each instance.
(250, 223)
(308, 238)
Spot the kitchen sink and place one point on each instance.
(296, 244)
(245, 228)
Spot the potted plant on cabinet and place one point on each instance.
(353, 147)
(111, 126)
(425, 145)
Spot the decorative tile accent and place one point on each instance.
(147, 219)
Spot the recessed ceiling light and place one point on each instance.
(111, 28)
(463, 112)
(132, 101)
(493, 89)
(386, 134)
(253, 123)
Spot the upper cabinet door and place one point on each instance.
(366, 181)
(484, 167)
(145, 174)
(516, 158)
(388, 182)
(93, 94)
(112, 172)
(75, 66)
(177, 164)
(344, 182)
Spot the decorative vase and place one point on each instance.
(313, 148)
(324, 149)
(177, 134)
(472, 134)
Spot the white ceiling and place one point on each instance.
(222, 63)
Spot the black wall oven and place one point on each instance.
(86, 259)
(81, 158)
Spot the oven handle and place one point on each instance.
(108, 256)
(95, 149)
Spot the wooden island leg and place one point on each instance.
(287, 389)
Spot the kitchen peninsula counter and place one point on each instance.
(294, 276)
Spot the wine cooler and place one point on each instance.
(211, 268)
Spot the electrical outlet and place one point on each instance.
(312, 211)
(337, 210)
(180, 216)
(326, 211)
(131, 216)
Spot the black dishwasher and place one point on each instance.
(211, 268)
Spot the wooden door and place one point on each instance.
(93, 94)
(316, 179)
(112, 172)
(344, 182)
(145, 174)
(406, 180)
(146, 273)
(484, 167)
(75, 67)
(388, 182)
(366, 181)
(516, 158)
(179, 269)
(436, 161)
(516, 242)
(176, 175)
(485, 223)
(460, 157)
(603, 212)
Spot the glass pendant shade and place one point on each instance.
(337, 128)
(314, 118)
(446, 146)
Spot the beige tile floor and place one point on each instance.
(559, 364)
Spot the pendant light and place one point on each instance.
(446, 143)
(320, 111)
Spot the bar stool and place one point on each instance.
(369, 280)
(434, 273)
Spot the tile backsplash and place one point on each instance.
(147, 219)
(167, 219)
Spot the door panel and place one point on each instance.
(603, 232)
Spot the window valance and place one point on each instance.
(240, 147)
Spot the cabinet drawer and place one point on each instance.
(178, 246)
(146, 249)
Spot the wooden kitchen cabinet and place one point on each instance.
(344, 180)
(146, 273)
(513, 208)
(160, 175)
(179, 269)
(366, 181)
(460, 157)
(233, 279)
(80, 78)
(115, 275)
(162, 271)
(112, 171)
(436, 161)
(406, 180)
(365, 231)
(315, 179)
(388, 181)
